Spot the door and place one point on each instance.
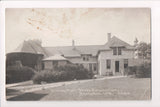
(116, 66)
(90, 67)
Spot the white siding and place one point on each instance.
(80, 60)
(104, 55)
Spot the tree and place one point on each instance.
(144, 49)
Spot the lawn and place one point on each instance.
(125, 88)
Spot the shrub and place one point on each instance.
(131, 70)
(76, 71)
(144, 71)
(63, 73)
(18, 74)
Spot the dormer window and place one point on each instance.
(86, 57)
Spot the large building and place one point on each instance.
(111, 58)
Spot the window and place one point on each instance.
(119, 51)
(114, 51)
(108, 64)
(94, 67)
(125, 63)
(86, 57)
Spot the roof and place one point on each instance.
(31, 46)
(70, 51)
(56, 57)
(116, 42)
(35, 47)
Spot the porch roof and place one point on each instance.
(56, 57)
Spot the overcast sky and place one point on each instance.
(58, 27)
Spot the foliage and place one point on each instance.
(143, 48)
(63, 73)
(143, 71)
(131, 70)
(18, 74)
(78, 70)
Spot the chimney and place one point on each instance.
(73, 44)
(109, 36)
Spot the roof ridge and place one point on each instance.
(69, 46)
(115, 37)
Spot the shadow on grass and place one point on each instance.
(27, 97)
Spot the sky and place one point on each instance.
(87, 26)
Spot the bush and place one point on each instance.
(63, 73)
(18, 74)
(144, 71)
(131, 70)
(76, 71)
(141, 71)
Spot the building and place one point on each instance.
(111, 58)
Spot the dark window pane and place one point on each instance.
(114, 51)
(108, 64)
(83, 58)
(86, 57)
(95, 68)
(119, 51)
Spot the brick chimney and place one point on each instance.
(109, 36)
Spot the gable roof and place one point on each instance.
(116, 42)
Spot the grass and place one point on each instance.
(108, 89)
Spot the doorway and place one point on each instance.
(116, 66)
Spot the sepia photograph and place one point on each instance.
(78, 54)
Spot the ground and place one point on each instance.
(124, 88)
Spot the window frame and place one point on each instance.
(108, 64)
(114, 50)
(86, 57)
(119, 51)
(95, 67)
